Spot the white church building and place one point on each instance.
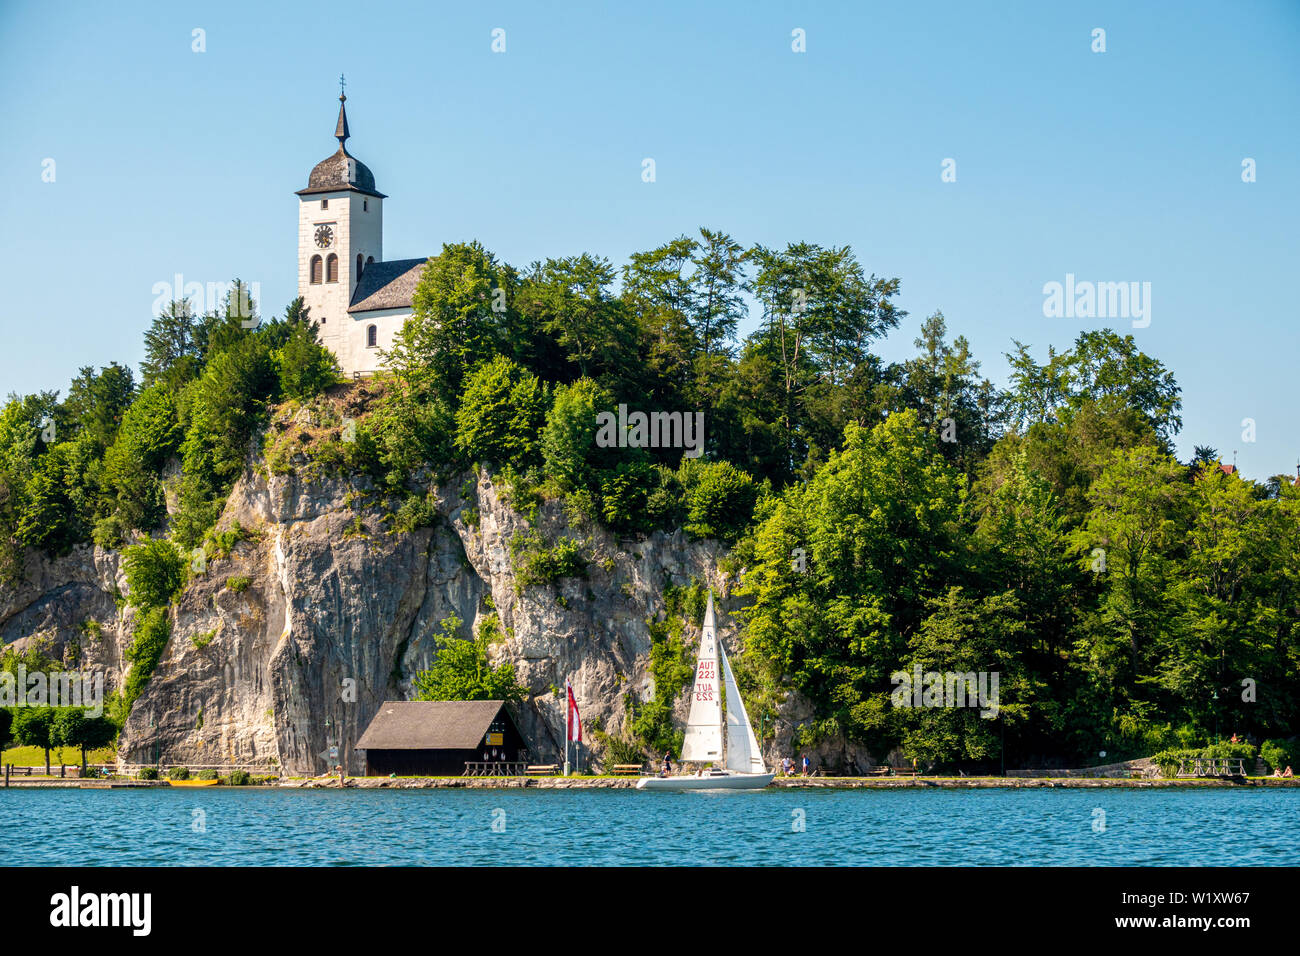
(358, 300)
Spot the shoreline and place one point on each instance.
(629, 783)
(794, 783)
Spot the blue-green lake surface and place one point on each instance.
(262, 827)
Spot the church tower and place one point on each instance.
(340, 232)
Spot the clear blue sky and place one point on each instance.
(1122, 166)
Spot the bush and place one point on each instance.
(155, 572)
(463, 670)
(569, 450)
(1225, 749)
(618, 750)
(1278, 754)
(238, 778)
(416, 511)
(500, 414)
(147, 773)
(305, 367)
(239, 583)
(151, 635)
(205, 775)
(1168, 761)
(627, 494)
(178, 773)
(534, 563)
(720, 498)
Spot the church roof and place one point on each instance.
(387, 285)
(342, 171)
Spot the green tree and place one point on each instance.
(223, 409)
(1102, 365)
(152, 630)
(719, 498)
(943, 384)
(570, 299)
(155, 572)
(500, 414)
(132, 487)
(568, 445)
(34, 727)
(463, 669)
(173, 348)
(840, 571)
(820, 315)
(1139, 510)
(965, 635)
(97, 402)
(306, 368)
(460, 311)
(73, 728)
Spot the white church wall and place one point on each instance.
(350, 346)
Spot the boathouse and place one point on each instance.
(440, 738)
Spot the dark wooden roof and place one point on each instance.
(342, 171)
(430, 724)
(387, 285)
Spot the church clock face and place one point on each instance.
(324, 236)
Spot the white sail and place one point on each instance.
(703, 741)
(743, 755)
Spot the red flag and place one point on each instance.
(572, 721)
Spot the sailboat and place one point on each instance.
(743, 767)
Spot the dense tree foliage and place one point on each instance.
(886, 518)
(463, 669)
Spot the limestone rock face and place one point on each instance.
(337, 616)
(66, 608)
(292, 642)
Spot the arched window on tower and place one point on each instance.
(315, 270)
(358, 267)
(370, 260)
(372, 337)
(332, 268)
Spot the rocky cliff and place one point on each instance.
(319, 613)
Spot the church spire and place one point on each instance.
(341, 131)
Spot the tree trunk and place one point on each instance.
(47, 761)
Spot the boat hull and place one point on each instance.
(728, 781)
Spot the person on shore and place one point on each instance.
(787, 765)
(668, 765)
(1287, 772)
(805, 765)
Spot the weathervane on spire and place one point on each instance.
(341, 131)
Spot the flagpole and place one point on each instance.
(568, 715)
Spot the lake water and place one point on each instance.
(1239, 827)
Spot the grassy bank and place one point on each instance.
(35, 756)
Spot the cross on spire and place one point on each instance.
(341, 130)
